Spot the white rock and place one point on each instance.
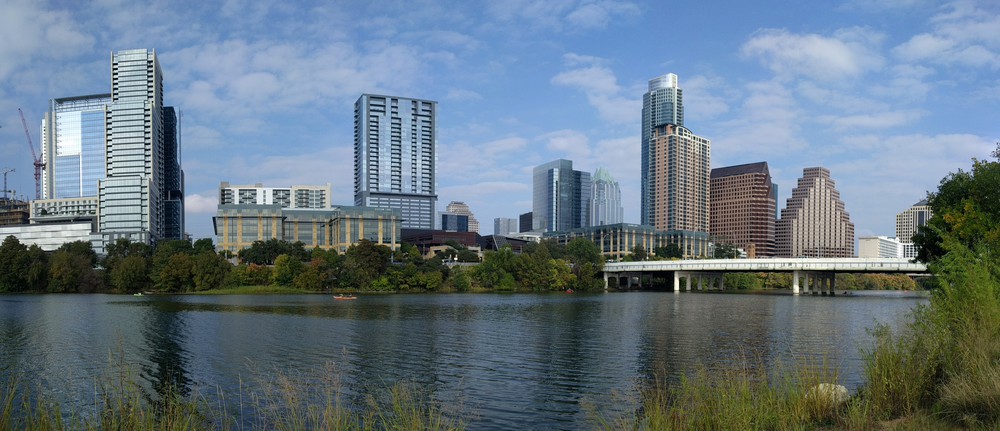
(829, 393)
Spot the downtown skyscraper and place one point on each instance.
(560, 197)
(606, 200)
(116, 157)
(395, 163)
(814, 222)
(675, 170)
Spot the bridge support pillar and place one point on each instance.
(687, 280)
(722, 281)
(833, 283)
(605, 282)
(795, 282)
(677, 281)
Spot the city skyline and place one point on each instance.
(851, 86)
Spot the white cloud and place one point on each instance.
(569, 144)
(199, 205)
(32, 32)
(849, 53)
(599, 84)
(880, 120)
(964, 34)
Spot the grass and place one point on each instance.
(940, 372)
(283, 402)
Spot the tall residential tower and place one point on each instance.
(395, 156)
(675, 171)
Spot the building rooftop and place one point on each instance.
(749, 168)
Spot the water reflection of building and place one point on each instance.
(301, 213)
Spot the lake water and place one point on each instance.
(516, 361)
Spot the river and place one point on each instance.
(511, 361)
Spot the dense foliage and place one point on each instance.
(965, 210)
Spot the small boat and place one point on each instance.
(341, 297)
(137, 294)
(569, 290)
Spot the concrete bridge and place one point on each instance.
(813, 273)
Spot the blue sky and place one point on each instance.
(890, 95)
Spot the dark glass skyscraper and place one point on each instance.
(560, 197)
(395, 156)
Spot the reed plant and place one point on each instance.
(285, 402)
(744, 396)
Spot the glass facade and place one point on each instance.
(73, 140)
(238, 226)
(395, 156)
(606, 206)
(663, 104)
(132, 197)
(561, 197)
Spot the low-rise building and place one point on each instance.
(879, 247)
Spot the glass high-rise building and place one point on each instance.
(662, 104)
(73, 146)
(675, 171)
(560, 197)
(606, 205)
(395, 160)
(133, 197)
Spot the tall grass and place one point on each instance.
(745, 397)
(284, 402)
(947, 361)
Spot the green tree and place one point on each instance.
(965, 209)
(203, 245)
(364, 263)
(497, 270)
(209, 270)
(669, 251)
(175, 275)
(81, 248)
(131, 274)
(286, 268)
(266, 252)
(725, 251)
(587, 262)
(37, 275)
(310, 278)
(66, 270)
(13, 265)
(639, 253)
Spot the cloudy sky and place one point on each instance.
(890, 95)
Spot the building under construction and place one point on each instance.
(13, 212)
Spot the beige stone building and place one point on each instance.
(460, 208)
(814, 222)
(681, 164)
(743, 208)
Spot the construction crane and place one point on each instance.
(39, 165)
(5, 172)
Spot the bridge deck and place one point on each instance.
(771, 265)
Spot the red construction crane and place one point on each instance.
(39, 165)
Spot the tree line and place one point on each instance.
(182, 266)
